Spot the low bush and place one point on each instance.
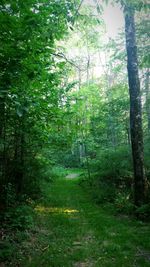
(17, 221)
(99, 189)
(123, 203)
(114, 166)
(112, 179)
(143, 212)
(58, 172)
(20, 217)
(105, 193)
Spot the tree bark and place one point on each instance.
(135, 108)
(2, 144)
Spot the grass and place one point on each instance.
(71, 230)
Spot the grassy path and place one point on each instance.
(73, 231)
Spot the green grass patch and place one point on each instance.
(71, 230)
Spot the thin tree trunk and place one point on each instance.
(87, 70)
(128, 136)
(135, 108)
(79, 77)
(87, 162)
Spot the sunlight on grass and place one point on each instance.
(56, 210)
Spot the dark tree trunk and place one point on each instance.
(19, 147)
(135, 108)
(2, 143)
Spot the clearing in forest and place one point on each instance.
(72, 230)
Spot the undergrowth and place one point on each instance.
(111, 182)
(18, 217)
(70, 230)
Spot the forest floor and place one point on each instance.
(72, 231)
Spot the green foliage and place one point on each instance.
(17, 221)
(38, 170)
(143, 212)
(6, 251)
(123, 203)
(20, 217)
(147, 158)
(103, 192)
(30, 90)
(10, 195)
(55, 112)
(112, 179)
(114, 166)
(71, 160)
(58, 172)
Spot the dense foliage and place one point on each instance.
(64, 103)
(31, 88)
(99, 106)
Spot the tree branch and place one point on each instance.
(61, 55)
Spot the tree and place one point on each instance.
(30, 84)
(135, 108)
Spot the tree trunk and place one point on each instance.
(2, 144)
(135, 108)
(79, 78)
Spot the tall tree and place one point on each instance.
(135, 107)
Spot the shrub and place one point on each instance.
(123, 203)
(101, 191)
(10, 195)
(20, 217)
(105, 193)
(143, 212)
(114, 166)
(58, 172)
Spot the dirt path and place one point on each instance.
(72, 176)
(71, 231)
